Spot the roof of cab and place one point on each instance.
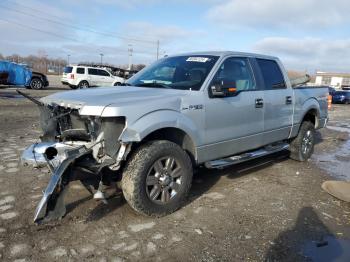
(228, 53)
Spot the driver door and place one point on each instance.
(235, 123)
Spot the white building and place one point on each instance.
(337, 80)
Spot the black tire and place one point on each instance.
(138, 170)
(302, 146)
(83, 84)
(117, 84)
(36, 83)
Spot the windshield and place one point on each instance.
(180, 72)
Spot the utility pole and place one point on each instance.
(45, 59)
(157, 49)
(68, 56)
(130, 50)
(101, 58)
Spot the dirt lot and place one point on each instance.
(271, 209)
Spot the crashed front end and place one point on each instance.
(75, 147)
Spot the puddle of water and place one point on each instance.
(336, 163)
(329, 249)
(11, 95)
(340, 128)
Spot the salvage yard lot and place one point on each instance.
(266, 209)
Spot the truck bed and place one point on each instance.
(307, 97)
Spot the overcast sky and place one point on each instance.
(305, 34)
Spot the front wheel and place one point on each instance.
(157, 178)
(302, 147)
(36, 84)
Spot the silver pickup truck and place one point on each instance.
(210, 109)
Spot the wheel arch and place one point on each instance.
(84, 80)
(167, 125)
(177, 136)
(312, 116)
(36, 77)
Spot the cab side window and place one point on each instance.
(236, 72)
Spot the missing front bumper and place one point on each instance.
(36, 155)
(52, 206)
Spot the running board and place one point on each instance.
(221, 163)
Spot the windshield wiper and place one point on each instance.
(153, 84)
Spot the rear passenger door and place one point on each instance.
(80, 74)
(93, 76)
(278, 101)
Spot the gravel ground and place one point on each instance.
(271, 209)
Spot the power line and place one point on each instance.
(39, 30)
(78, 27)
(41, 11)
(53, 34)
(74, 21)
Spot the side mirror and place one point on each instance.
(223, 89)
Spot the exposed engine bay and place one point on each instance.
(74, 148)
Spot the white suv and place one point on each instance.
(85, 76)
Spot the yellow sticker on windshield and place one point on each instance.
(197, 59)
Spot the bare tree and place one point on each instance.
(138, 67)
(43, 63)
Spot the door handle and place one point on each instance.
(289, 100)
(259, 103)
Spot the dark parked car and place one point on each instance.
(21, 75)
(38, 81)
(341, 97)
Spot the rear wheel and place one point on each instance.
(117, 84)
(83, 84)
(302, 147)
(157, 178)
(36, 83)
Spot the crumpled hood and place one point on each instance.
(118, 101)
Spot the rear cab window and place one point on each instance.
(80, 70)
(271, 74)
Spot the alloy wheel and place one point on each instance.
(164, 180)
